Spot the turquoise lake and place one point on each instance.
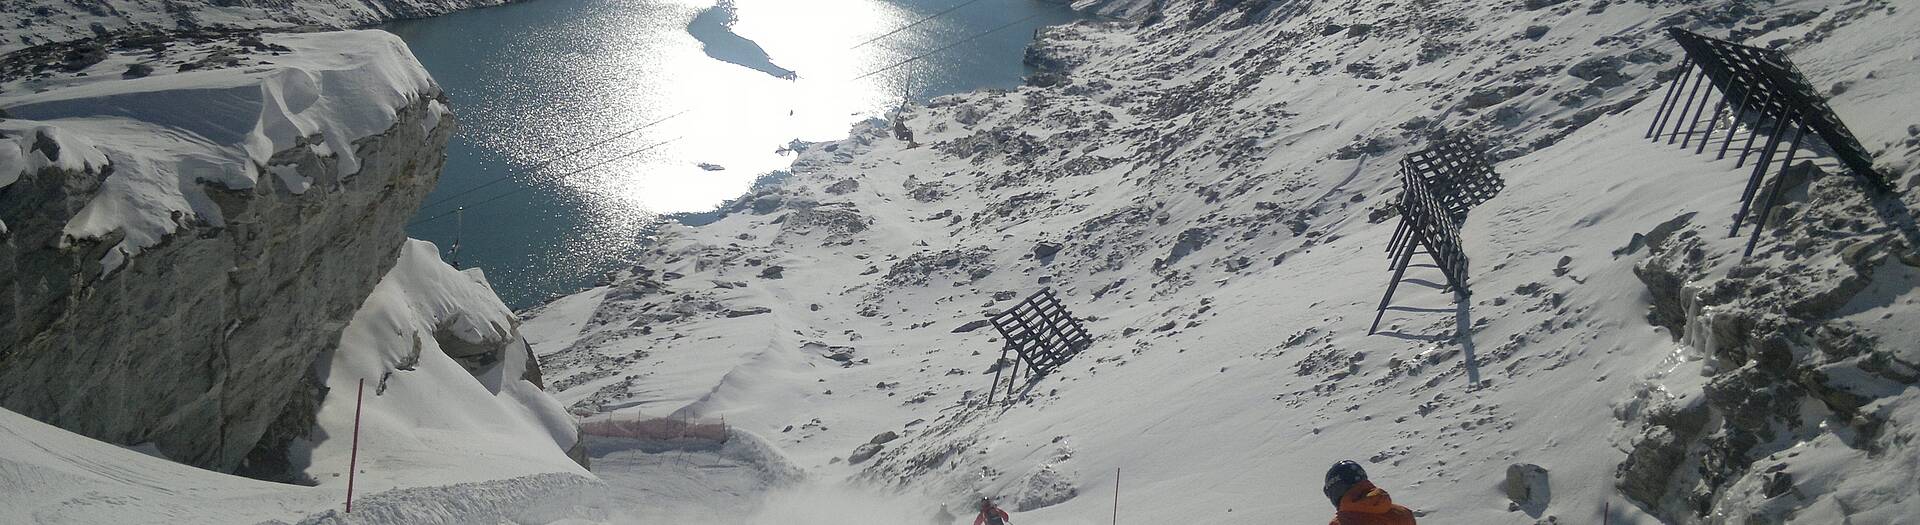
(719, 91)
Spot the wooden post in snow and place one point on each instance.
(353, 460)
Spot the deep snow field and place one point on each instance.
(1217, 180)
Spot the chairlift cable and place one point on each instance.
(915, 23)
(555, 178)
(948, 46)
(543, 164)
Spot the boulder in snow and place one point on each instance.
(1527, 486)
(1044, 487)
(1045, 249)
(863, 452)
(751, 310)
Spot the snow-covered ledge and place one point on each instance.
(186, 231)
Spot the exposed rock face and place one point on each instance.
(863, 452)
(1527, 486)
(202, 344)
(1779, 348)
(492, 344)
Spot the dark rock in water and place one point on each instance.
(753, 310)
(714, 29)
(863, 452)
(972, 325)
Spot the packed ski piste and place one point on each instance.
(1438, 261)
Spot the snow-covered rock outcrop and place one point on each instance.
(1209, 186)
(36, 22)
(439, 442)
(182, 243)
(434, 403)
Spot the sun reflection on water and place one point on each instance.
(535, 79)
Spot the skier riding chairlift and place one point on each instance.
(991, 515)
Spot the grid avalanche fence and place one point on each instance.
(1768, 96)
(1041, 333)
(1439, 185)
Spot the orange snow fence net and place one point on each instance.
(655, 428)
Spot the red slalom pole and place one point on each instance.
(353, 461)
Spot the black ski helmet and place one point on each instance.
(1341, 477)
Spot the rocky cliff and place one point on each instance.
(188, 226)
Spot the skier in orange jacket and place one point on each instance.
(991, 515)
(1357, 502)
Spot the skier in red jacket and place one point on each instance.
(1357, 502)
(991, 515)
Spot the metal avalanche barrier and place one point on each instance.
(1041, 333)
(1438, 186)
(1768, 96)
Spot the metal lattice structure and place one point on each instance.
(1458, 174)
(1768, 96)
(1041, 333)
(1438, 186)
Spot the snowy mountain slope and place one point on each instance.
(439, 444)
(48, 475)
(35, 22)
(1216, 180)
